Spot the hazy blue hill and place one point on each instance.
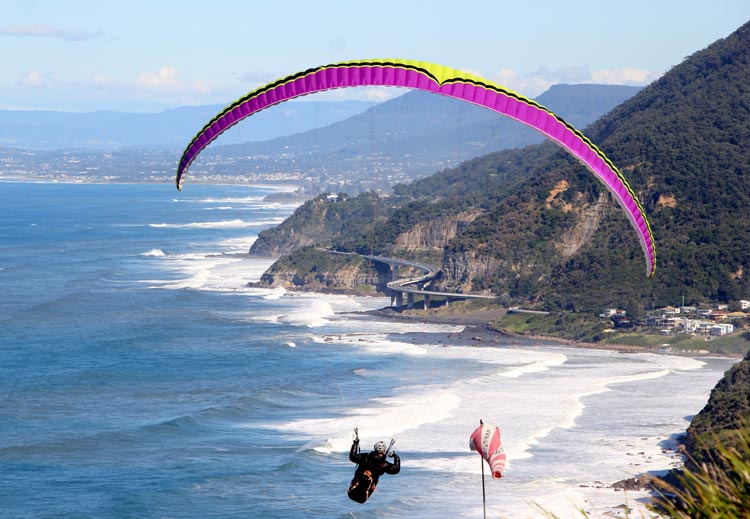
(577, 102)
(337, 146)
(106, 131)
(443, 129)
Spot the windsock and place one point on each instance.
(486, 441)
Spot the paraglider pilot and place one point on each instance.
(370, 467)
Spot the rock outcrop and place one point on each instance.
(319, 270)
(433, 235)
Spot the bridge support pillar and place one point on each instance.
(394, 272)
(426, 301)
(399, 299)
(409, 301)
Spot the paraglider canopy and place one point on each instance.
(442, 80)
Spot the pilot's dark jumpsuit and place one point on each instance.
(370, 467)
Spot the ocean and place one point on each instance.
(141, 378)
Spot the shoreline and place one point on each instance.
(477, 331)
(632, 494)
(478, 323)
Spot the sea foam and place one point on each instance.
(153, 253)
(223, 224)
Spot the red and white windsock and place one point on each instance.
(486, 441)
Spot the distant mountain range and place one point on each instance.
(111, 131)
(328, 146)
(415, 116)
(422, 132)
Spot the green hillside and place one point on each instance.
(684, 144)
(726, 416)
(543, 230)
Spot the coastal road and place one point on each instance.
(415, 285)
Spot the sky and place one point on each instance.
(152, 55)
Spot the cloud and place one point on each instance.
(39, 79)
(534, 83)
(165, 88)
(167, 80)
(625, 76)
(47, 31)
(149, 90)
(528, 85)
(162, 83)
(163, 79)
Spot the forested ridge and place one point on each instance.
(684, 145)
(552, 232)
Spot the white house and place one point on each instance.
(691, 325)
(722, 329)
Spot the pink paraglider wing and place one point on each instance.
(441, 80)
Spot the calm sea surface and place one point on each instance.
(141, 378)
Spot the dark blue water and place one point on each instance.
(141, 378)
(120, 399)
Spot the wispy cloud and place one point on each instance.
(165, 87)
(534, 83)
(48, 31)
(166, 78)
(625, 76)
(161, 88)
(39, 79)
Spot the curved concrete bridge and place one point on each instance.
(416, 285)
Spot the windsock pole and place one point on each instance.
(484, 496)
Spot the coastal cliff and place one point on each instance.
(433, 234)
(321, 271)
(314, 222)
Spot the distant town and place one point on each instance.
(311, 173)
(705, 321)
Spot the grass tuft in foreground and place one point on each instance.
(710, 490)
(719, 489)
